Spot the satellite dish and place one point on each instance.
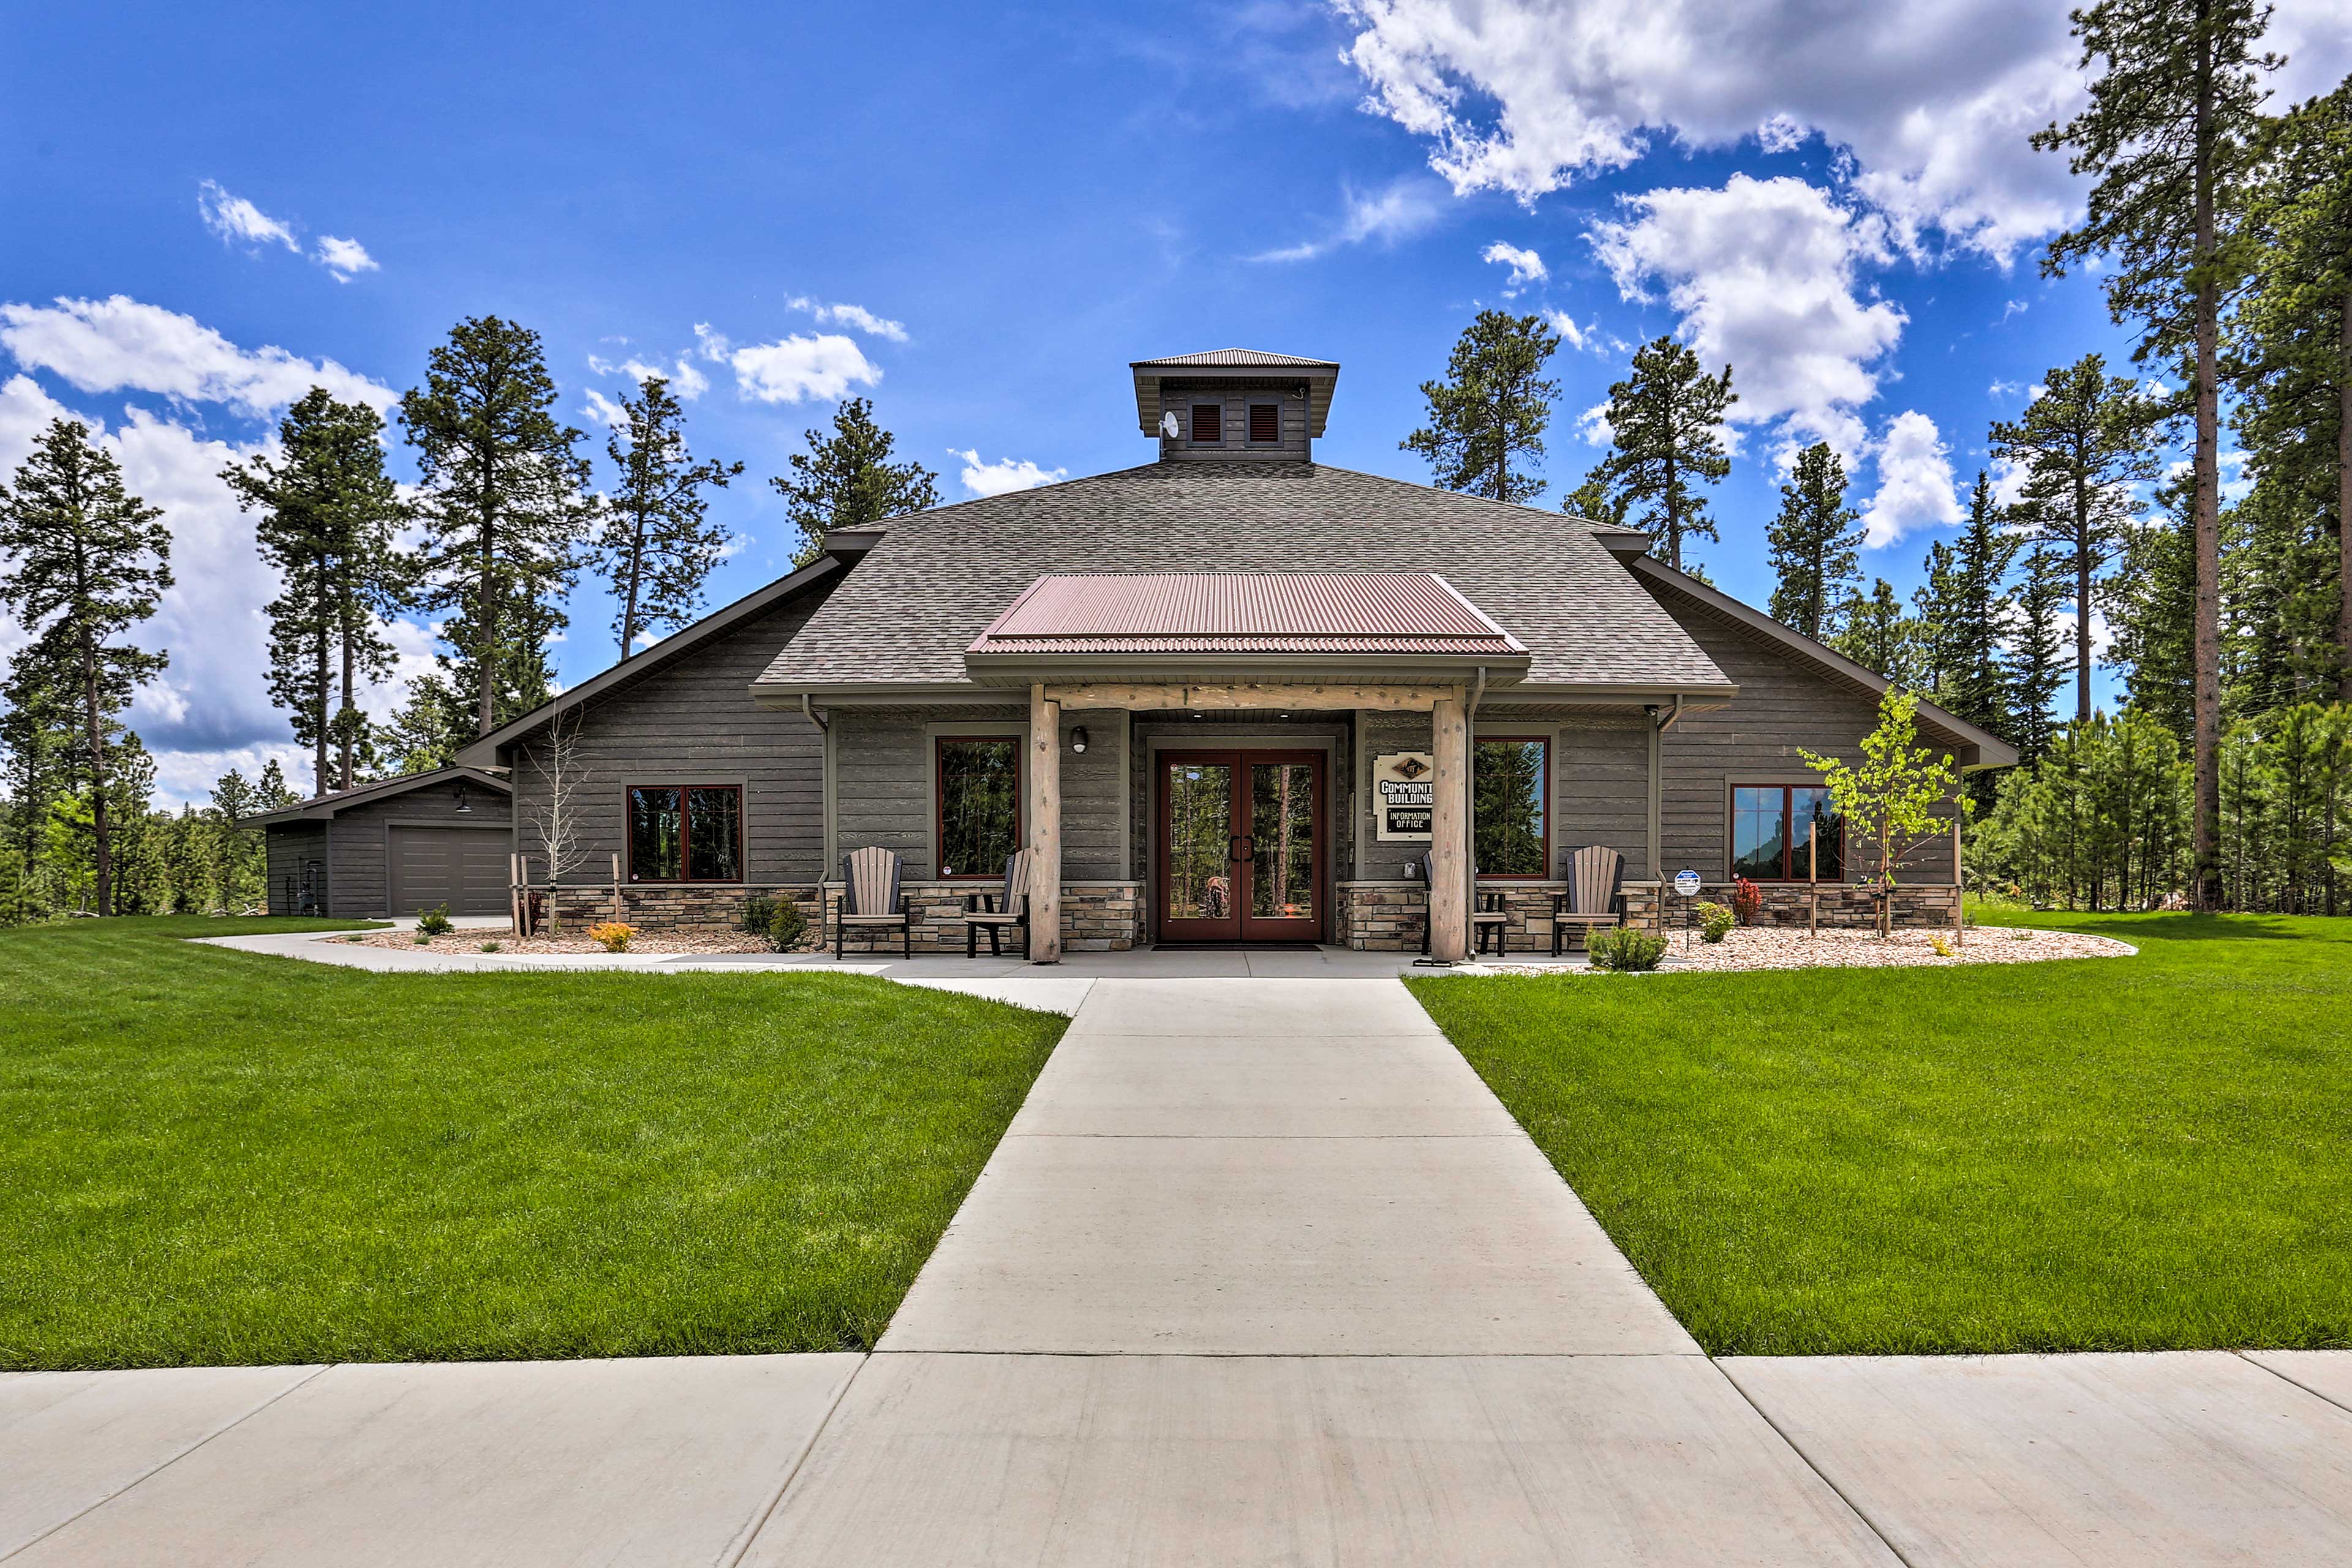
(1169, 428)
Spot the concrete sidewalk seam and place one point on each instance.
(1311, 1356)
(2294, 1381)
(1798, 1449)
(767, 1510)
(148, 1474)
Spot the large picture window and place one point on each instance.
(1510, 800)
(1776, 827)
(980, 804)
(685, 833)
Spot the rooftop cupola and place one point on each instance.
(1233, 405)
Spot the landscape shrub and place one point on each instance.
(1715, 921)
(1625, 948)
(759, 913)
(611, 935)
(786, 925)
(435, 921)
(1746, 901)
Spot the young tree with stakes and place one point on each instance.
(84, 561)
(1492, 408)
(2083, 443)
(330, 522)
(1665, 423)
(555, 809)
(1814, 545)
(847, 481)
(1890, 801)
(656, 545)
(2169, 142)
(503, 503)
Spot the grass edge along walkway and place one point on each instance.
(219, 1158)
(2106, 1154)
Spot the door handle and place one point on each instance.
(1234, 854)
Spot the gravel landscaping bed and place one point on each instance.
(1759, 947)
(646, 941)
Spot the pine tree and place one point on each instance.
(2083, 443)
(502, 499)
(440, 715)
(1591, 502)
(1814, 545)
(2036, 665)
(86, 561)
(330, 521)
(2169, 139)
(1491, 410)
(1880, 638)
(656, 546)
(2151, 606)
(847, 481)
(2292, 334)
(1665, 423)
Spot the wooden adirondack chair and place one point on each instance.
(871, 895)
(995, 912)
(1595, 896)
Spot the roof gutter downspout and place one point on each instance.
(822, 723)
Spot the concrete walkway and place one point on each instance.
(1261, 1273)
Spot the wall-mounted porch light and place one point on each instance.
(463, 809)
(1078, 738)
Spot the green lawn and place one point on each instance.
(2108, 1154)
(214, 1157)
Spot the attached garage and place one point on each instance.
(388, 849)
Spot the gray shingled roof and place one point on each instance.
(916, 602)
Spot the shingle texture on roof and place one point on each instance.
(914, 605)
(1241, 358)
(1244, 612)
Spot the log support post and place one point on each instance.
(1449, 830)
(1045, 827)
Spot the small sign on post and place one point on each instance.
(1686, 884)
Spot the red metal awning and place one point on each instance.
(1370, 612)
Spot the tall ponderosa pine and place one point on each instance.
(2084, 444)
(330, 522)
(657, 544)
(2151, 603)
(1667, 434)
(1964, 610)
(85, 561)
(847, 481)
(502, 498)
(2293, 331)
(1813, 543)
(441, 712)
(2036, 664)
(1489, 413)
(2169, 140)
(1880, 637)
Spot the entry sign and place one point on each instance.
(1404, 792)
(1686, 884)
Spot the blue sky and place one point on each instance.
(976, 216)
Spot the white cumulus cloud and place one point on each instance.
(121, 345)
(238, 221)
(1934, 98)
(796, 368)
(856, 317)
(1525, 266)
(1004, 476)
(1914, 482)
(346, 258)
(1762, 273)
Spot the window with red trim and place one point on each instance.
(685, 833)
(1780, 832)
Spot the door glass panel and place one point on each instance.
(1200, 823)
(1282, 828)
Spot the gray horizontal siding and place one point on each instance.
(1179, 397)
(1600, 791)
(692, 721)
(1785, 705)
(285, 846)
(885, 774)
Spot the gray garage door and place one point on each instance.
(465, 868)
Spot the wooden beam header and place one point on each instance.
(1238, 694)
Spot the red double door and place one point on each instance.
(1241, 851)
